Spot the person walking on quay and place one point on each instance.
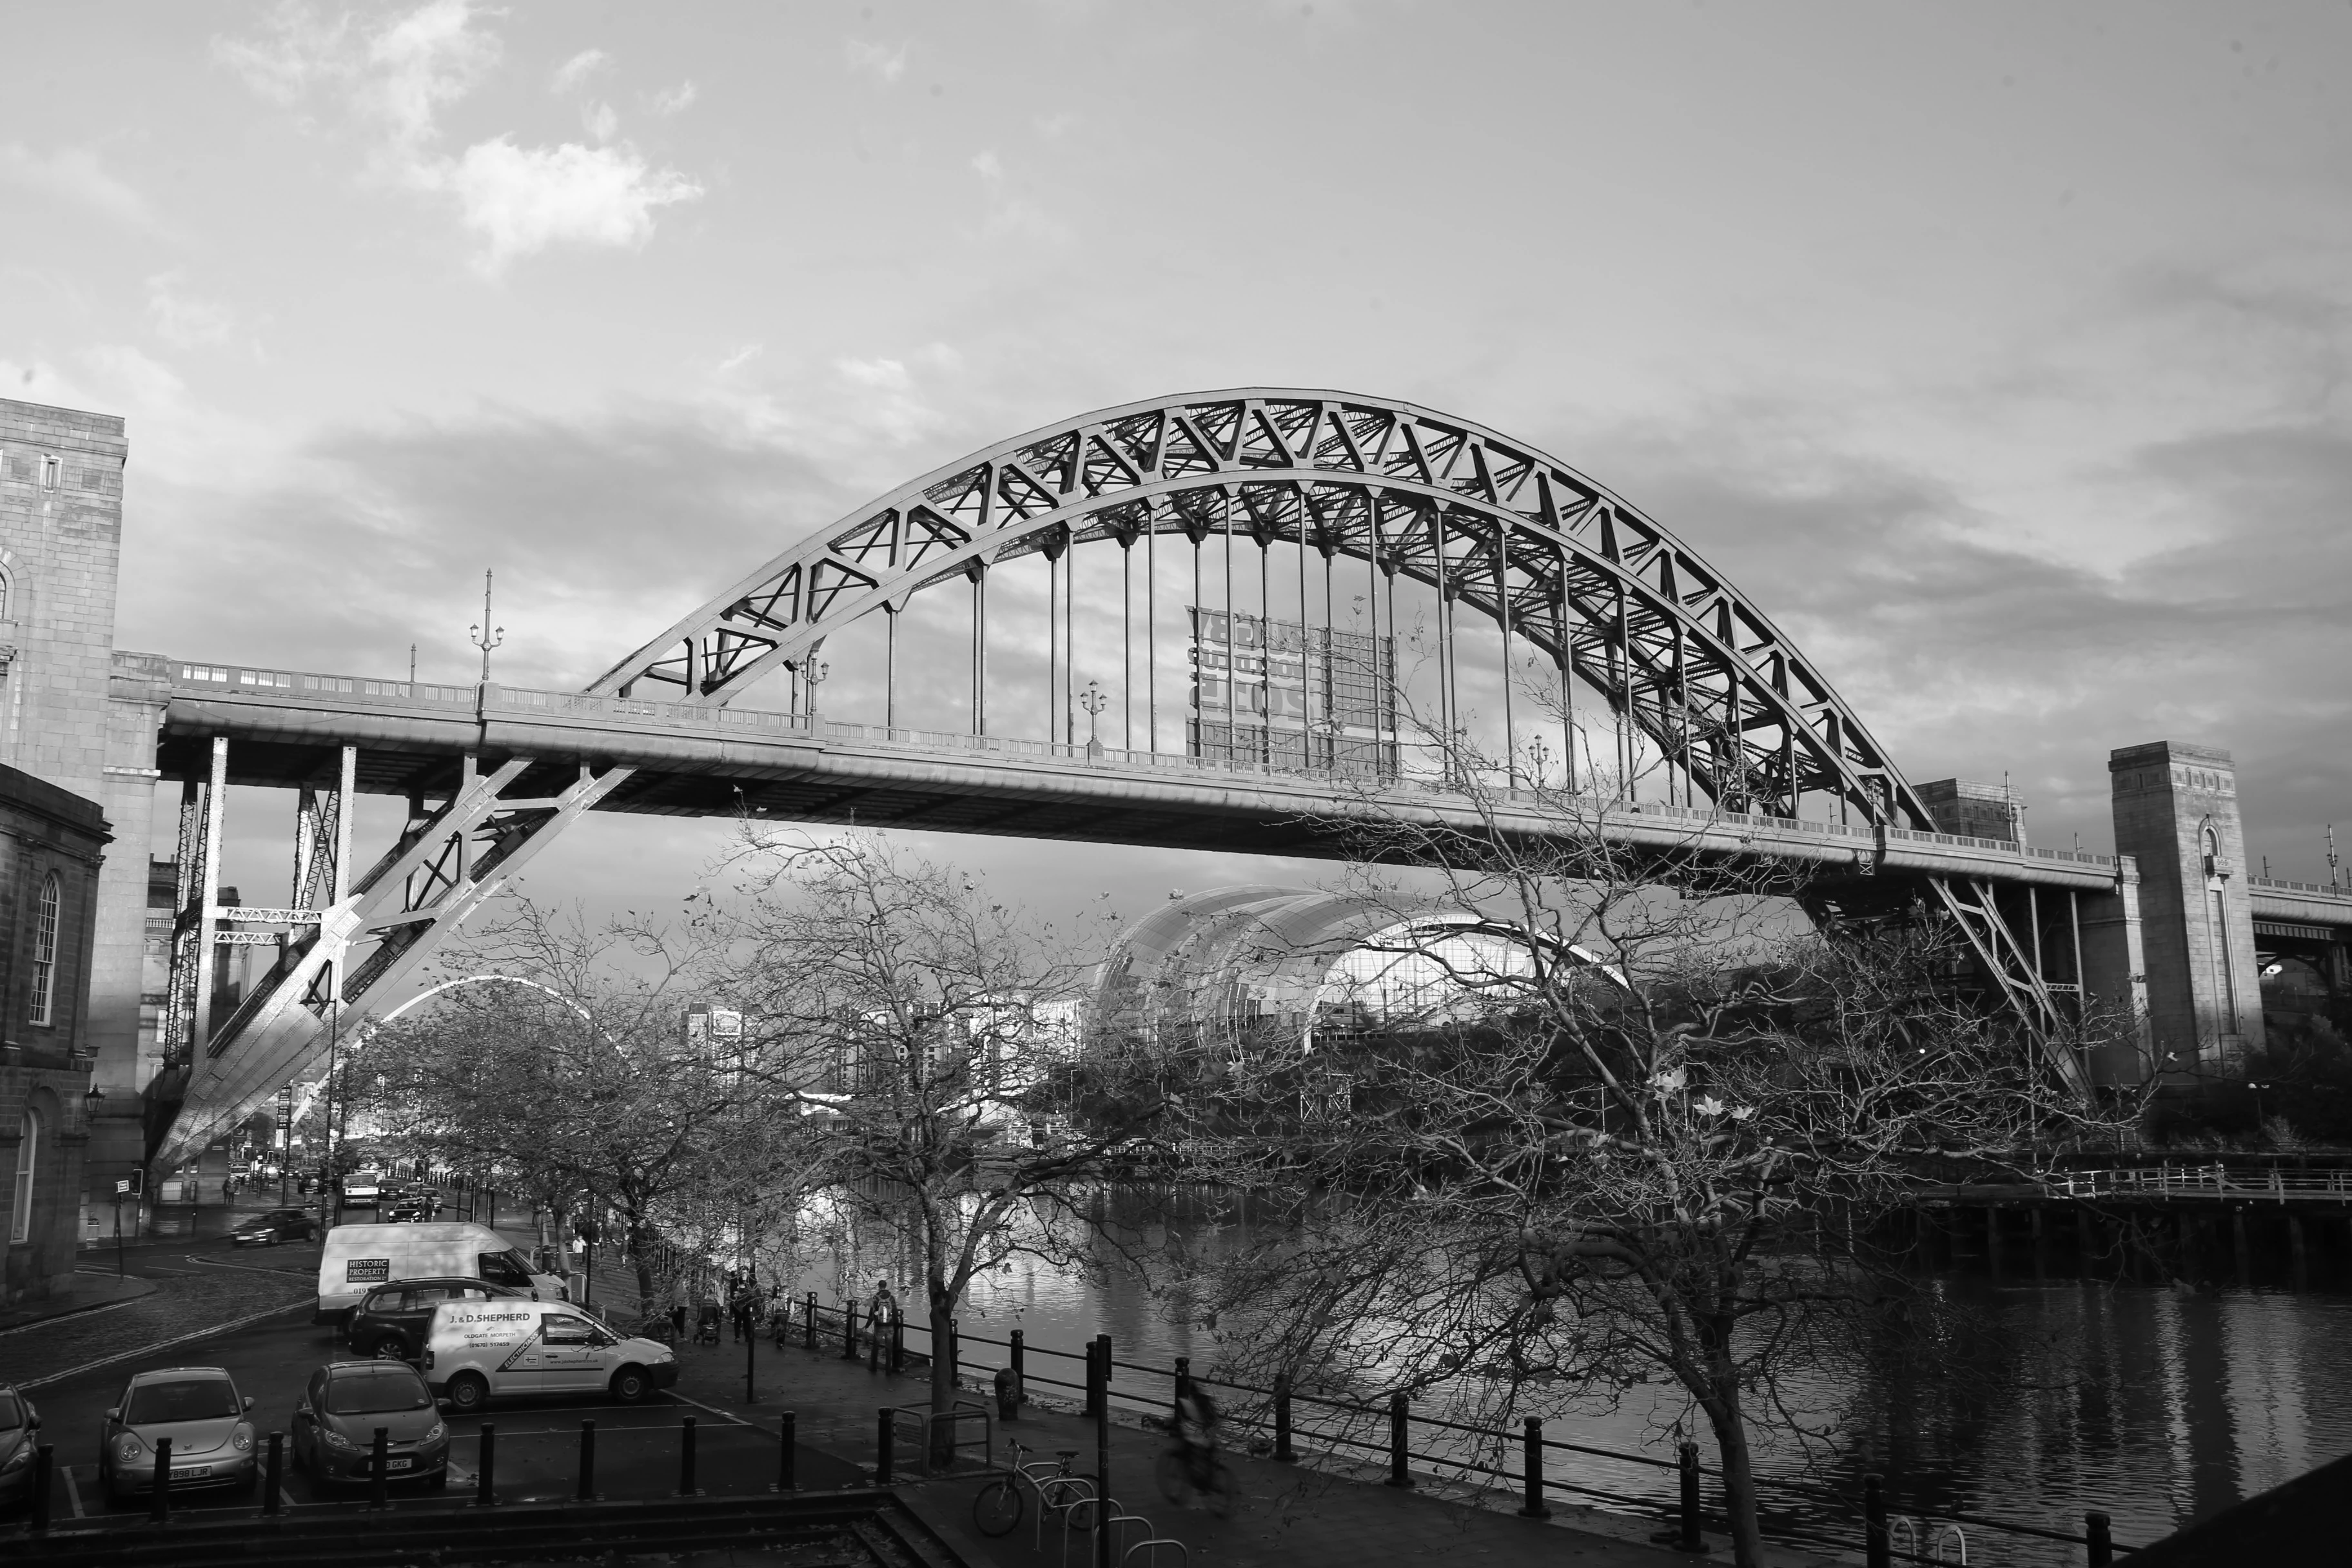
(746, 1302)
(881, 1311)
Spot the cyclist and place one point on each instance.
(1196, 1433)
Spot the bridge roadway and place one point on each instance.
(284, 728)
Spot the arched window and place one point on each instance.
(45, 949)
(28, 1151)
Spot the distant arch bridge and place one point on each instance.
(1263, 562)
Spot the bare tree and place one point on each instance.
(579, 1075)
(1652, 1130)
(929, 1030)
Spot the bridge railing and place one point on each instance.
(2211, 1181)
(206, 680)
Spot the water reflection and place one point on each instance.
(2154, 1403)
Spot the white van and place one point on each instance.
(476, 1351)
(357, 1257)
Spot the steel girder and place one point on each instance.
(1491, 522)
(443, 864)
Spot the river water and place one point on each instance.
(2158, 1404)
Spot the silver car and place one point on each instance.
(199, 1409)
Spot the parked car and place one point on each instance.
(475, 1352)
(346, 1401)
(199, 1409)
(390, 1321)
(277, 1225)
(18, 1423)
(355, 1259)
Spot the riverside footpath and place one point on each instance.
(1318, 1514)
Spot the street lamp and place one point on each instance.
(483, 636)
(1094, 702)
(813, 676)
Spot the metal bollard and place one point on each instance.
(274, 1476)
(788, 1432)
(1531, 1437)
(483, 1495)
(1399, 1414)
(587, 1491)
(2099, 1543)
(1283, 1452)
(159, 1506)
(882, 1437)
(1020, 1373)
(1692, 1541)
(686, 1487)
(955, 1355)
(44, 1464)
(380, 1469)
(1877, 1541)
(898, 1343)
(810, 1309)
(849, 1330)
(1183, 1379)
(1093, 1380)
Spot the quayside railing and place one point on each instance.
(1274, 1411)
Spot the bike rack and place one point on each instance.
(1083, 1487)
(921, 1419)
(1104, 1506)
(1116, 1525)
(1184, 1553)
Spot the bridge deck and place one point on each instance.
(698, 760)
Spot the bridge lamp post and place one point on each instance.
(483, 635)
(1094, 702)
(813, 677)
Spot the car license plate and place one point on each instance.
(399, 1464)
(193, 1473)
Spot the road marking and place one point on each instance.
(60, 1317)
(245, 1321)
(73, 1492)
(286, 1496)
(247, 1267)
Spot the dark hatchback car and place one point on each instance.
(410, 1207)
(277, 1225)
(20, 1424)
(390, 1321)
(336, 1419)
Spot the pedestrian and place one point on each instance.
(881, 1311)
(740, 1311)
(677, 1316)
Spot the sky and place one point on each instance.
(1999, 351)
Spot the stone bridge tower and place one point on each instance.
(2176, 811)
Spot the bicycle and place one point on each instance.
(998, 1509)
(1185, 1473)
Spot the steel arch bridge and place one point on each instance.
(1692, 680)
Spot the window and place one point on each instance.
(52, 470)
(564, 1330)
(44, 950)
(28, 1151)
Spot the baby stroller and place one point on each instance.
(706, 1325)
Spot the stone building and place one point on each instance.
(52, 846)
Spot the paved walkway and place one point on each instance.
(1288, 1514)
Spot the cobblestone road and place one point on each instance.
(205, 1297)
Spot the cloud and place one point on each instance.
(672, 100)
(1050, 126)
(184, 321)
(75, 174)
(521, 200)
(1013, 215)
(883, 64)
(740, 358)
(516, 199)
(579, 70)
